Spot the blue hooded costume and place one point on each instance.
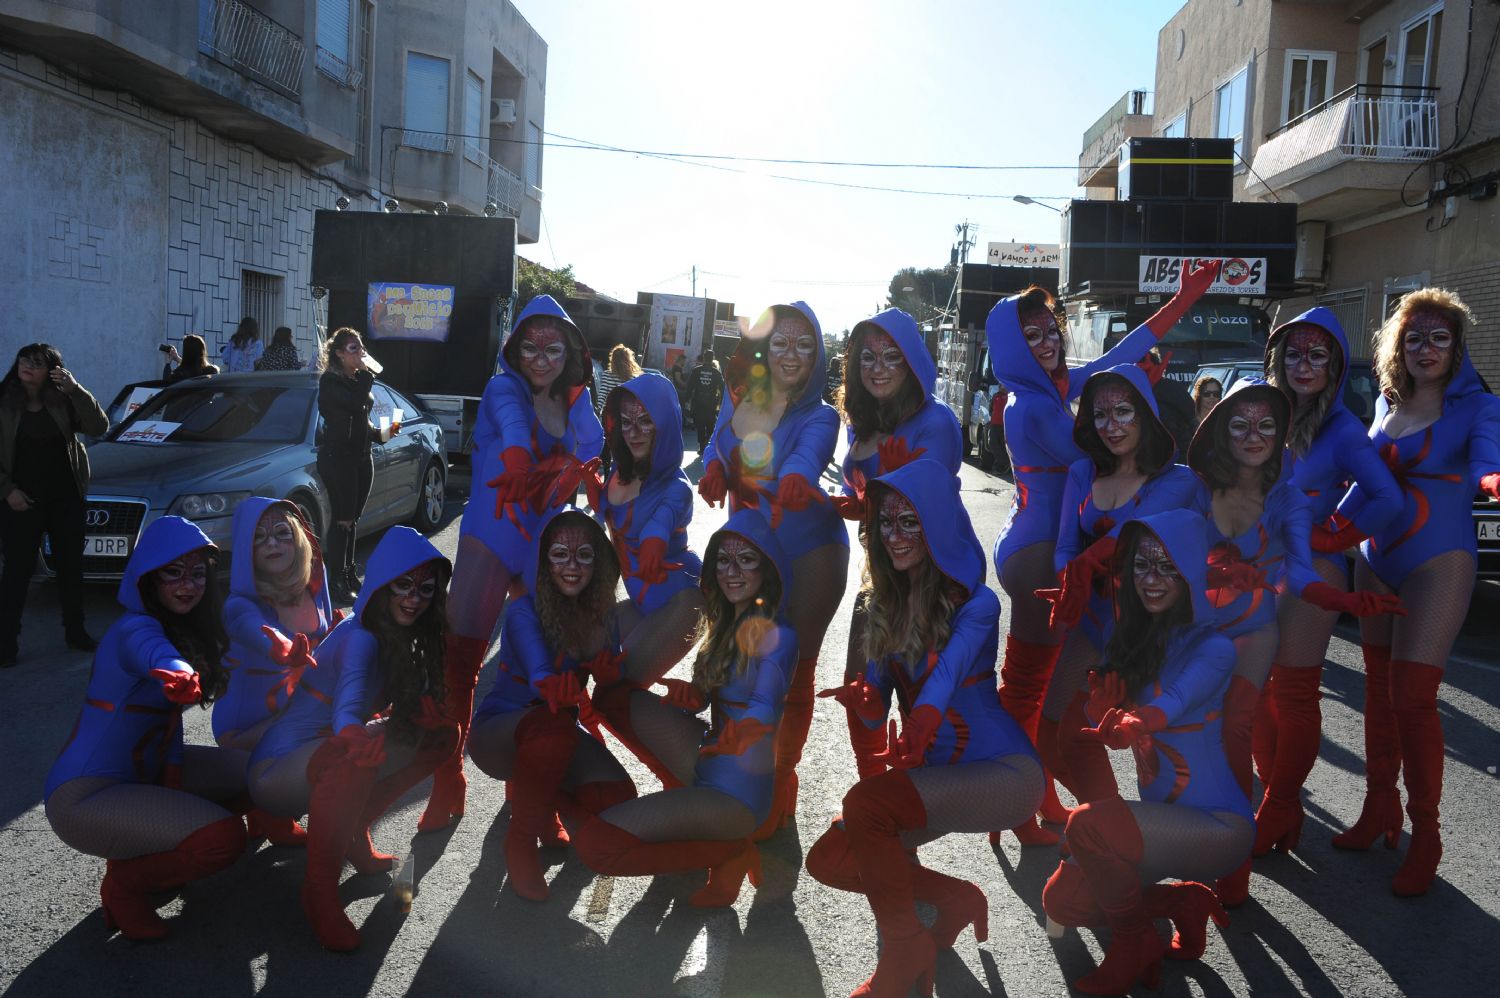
(802, 444)
(959, 679)
(759, 690)
(258, 686)
(664, 506)
(127, 729)
(507, 418)
(1185, 763)
(347, 686)
(1173, 486)
(1276, 543)
(1039, 424)
(1438, 470)
(932, 429)
(1341, 453)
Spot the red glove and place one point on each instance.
(565, 487)
(1240, 575)
(593, 483)
(908, 749)
(605, 666)
(1340, 534)
(894, 453)
(861, 697)
(1360, 603)
(793, 493)
(171, 776)
(429, 715)
(1106, 691)
(179, 687)
(1490, 485)
(360, 747)
(1154, 368)
(294, 653)
(510, 485)
(649, 564)
(736, 736)
(1071, 598)
(682, 695)
(1120, 729)
(1197, 276)
(560, 690)
(340, 614)
(714, 484)
(850, 507)
(587, 715)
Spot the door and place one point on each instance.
(396, 476)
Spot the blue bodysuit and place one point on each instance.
(258, 686)
(127, 729)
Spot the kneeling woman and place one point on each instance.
(526, 730)
(387, 660)
(124, 786)
(1166, 669)
(962, 764)
(725, 772)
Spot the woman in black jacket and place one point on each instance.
(345, 461)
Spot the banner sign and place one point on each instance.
(1024, 254)
(1240, 276)
(675, 330)
(410, 311)
(148, 431)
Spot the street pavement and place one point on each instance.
(1320, 922)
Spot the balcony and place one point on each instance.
(1129, 118)
(505, 189)
(1350, 154)
(252, 44)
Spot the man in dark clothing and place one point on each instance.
(707, 387)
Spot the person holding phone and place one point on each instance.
(44, 476)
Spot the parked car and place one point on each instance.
(986, 429)
(198, 447)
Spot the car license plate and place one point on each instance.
(106, 546)
(1487, 530)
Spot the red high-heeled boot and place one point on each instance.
(612, 703)
(725, 878)
(1278, 823)
(1236, 733)
(1107, 844)
(1068, 899)
(791, 736)
(1263, 734)
(1189, 905)
(1380, 814)
(867, 743)
(274, 829)
(463, 657)
(545, 742)
(339, 792)
(1054, 770)
(1024, 674)
(125, 893)
(1414, 694)
(555, 837)
(1090, 775)
(606, 848)
(436, 747)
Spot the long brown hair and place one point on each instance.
(1307, 420)
(731, 639)
(411, 658)
(866, 414)
(577, 368)
(13, 393)
(626, 465)
(1137, 648)
(560, 615)
(1218, 467)
(1156, 448)
(909, 613)
(1396, 382)
(198, 635)
(329, 359)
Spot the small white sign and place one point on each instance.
(106, 546)
(139, 397)
(1240, 276)
(148, 431)
(1024, 254)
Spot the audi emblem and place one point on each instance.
(96, 517)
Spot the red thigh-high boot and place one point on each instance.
(867, 742)
(1048, 746)
(125, 894)
(1189, 905)
(556, 836)
(606, 848)
(831, 860)
(339, 793)
(791, 735)
(1278, 823)
(1090, 776)
(1024, 675)
(876, 811)
(1263, 743)
(1237, 732)
(1380, 814)
(435, 748)
(612, 703)
(1107, 844)
(589, 799)
(1414, 693)
(544, 749)
(1069, 900)
(462, 659)
(274, 829)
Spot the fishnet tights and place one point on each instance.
(1305, 629)
(280, 786)
(1024, 572)
(1070, 674)
(975, 796)
(492, 746)
(478, 591)
(1188, 844)
(1253, 653)
(657, 641)
(1436, 595)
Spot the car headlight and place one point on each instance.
(205, 505)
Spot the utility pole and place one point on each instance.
(964, 242)
(695, 280)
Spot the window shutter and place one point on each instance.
(427, 94)
(333, 27)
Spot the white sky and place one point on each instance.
(992, 82)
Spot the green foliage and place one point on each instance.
(533, 279)
(930, 291)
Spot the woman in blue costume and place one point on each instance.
(774, 437)
(887, 400)
(124, 786)
(1327, 448)
(1166, 669)
(1438, 431)
(1028, 355)
(1259, 523)
(723, 771)
(535, 440)
(363, 727)
(1127, 475)
(277, 612)
(526, 730)
(961, 764)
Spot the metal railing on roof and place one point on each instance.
(1373, 123)
(505, 189)
(1134, 102)
(253, 44)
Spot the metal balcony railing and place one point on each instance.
(337, 69)
(505, 189)
(430, 141)
(253, 44)
(1370, 123)
(1134, 102)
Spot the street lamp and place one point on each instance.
(1023, 199)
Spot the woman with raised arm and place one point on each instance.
(1028, 355)
(536, 439)
(1438, 431)
(1158, 694)
(774, 438)
(722, 783)
(960, 762)
(363, 727)
(124, 786)
(893, 417)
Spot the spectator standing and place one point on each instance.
(621, 368)
(346, 460)
(194, 362)
(244, 347)
(707, 387)
(681, 381)
(282, 353)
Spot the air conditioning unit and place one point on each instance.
(502, 112)
(1309, 264)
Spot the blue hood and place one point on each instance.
(399, 551)
(903, 329)
(1325, 320)
(1184, 533)
(242, 570)
(1202, 447)
(533, 565)
(755, 346)
(161, 543)
(1465, 382)
(933, 492)
(543, 305)
(1083, 425)
(753, 526)
(1010, 358)
(659, 397)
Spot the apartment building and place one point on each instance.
(164, 160)
(1380, 119)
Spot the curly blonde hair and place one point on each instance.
(911, 612)
(1396, 382)
(560, 615)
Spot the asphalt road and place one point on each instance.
(1319, 922)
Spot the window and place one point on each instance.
(427, 103)
(261, 299)
(533, 154)
(1230, 111)
(1419, 49)
(333, 28)
(1309, 82)
(1176, 128)
(1349, 306)
(473, 114)
(1375, 68)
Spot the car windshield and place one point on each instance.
(212, 413)
(1222, 325)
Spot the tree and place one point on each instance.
(533, 279)
(930, 291)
